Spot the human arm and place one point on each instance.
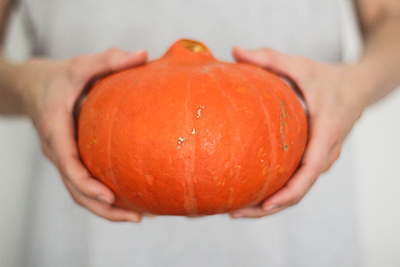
(47, 90)
(336, 95)
(9, 100)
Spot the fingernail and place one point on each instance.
(270, 207)
(137, 52)
(104, 199)
(241, 49)
(237, 215)
(134, 219)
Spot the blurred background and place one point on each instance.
(375, 139)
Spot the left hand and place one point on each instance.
(333, 105)
(50, 90)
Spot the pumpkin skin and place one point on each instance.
(190, 135)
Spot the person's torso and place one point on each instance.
(68, 28)
(318, 232)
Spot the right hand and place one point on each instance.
(50, 90)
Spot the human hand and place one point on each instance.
(50, 92)
(333, 107)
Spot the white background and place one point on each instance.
(376, 139)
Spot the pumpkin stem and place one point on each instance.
(193, 46)
(189, 51)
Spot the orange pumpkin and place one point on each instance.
(190, 135)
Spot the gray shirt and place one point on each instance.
(319, 231)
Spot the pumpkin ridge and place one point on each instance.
(186, 134)
(189, 196)
(211, 74)
(122, 97)
(112, 174)
(272, 141)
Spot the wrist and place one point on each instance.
(371, 79)
(362, 83)
(10, 97)
(30, 81)
(14, 88)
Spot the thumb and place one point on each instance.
(88, 69)
(278, 62)
(114, 60)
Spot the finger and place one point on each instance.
(287, 65)
(287, 196)
(313, 163)
(333, 155)
(69, 163)
(113, 60)
(104, 210)
(249, 212)
(300, 183)
(109, 61)
(149, 215)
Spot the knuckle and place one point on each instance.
(308, 72)
(111, 55)
(46, 150)
(336, 155)
(112, 52)
(267, 51)
(315, 170)
(292, 200)
(77, 200)
(77, 70)
(296, 200)
(332, 158)
(327, 166)
(288, 198)
(63, 167)
(45, 125)
(82, 184)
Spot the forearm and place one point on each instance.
(377, 72)
(22, 84)
(11, 99)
